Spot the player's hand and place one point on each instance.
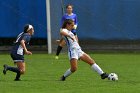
(61, 29)
(75, 27)
(28, 52)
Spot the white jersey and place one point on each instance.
(74, 50)
(71, 43)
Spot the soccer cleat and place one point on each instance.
(56, 57)
(17, 79)
(104, 75)
(62, 78)
(5, 69)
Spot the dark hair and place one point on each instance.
(26, 28)
(67, 21)
(69, 5)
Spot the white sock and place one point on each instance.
(97, 69)
(67, 73)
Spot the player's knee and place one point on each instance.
(61, 44)
(91, 62)
(22, 71)
(73, 69)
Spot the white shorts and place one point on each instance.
(75, 53)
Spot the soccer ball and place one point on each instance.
(113, 77)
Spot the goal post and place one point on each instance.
(48, 26)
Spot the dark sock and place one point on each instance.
(18, 76)
(14, 69)
(59, 48)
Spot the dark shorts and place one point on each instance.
(17, 58)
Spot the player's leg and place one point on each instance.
(13, 69)
(86, 58)
(18, 59)
(59, 48)
(21, 67)
(73, 63)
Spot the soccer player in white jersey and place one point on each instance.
(75, 52)
(18, 51)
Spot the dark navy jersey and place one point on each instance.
(72, 16)
(17, 48)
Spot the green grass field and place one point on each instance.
(43, 73)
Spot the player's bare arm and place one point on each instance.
(24, 47)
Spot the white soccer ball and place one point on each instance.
(113, 77)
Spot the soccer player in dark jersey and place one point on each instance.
(68, 15)
(18, 51)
